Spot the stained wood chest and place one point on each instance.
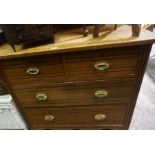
(78, 84)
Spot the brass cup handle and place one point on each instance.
(99, 117)
(101, 66)
(49, 118)
(33, 70)
(101, 94)
(41, 97)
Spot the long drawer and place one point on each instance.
(70, 94)
(85, 66)
(96, 116)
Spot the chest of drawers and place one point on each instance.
(78, 87)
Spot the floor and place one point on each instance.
(9, 115)
(144, 113)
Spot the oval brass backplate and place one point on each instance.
(101, 94)
(41, 97)
(99, 117)
(32, 71)
(101, 66)
(49, 118)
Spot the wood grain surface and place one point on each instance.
(73, 41)
(76, 116)
(68, 76)
(73, 67)
(73, 94)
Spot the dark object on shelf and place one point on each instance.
(27, 33)
(2, 37)
(96, 31)
(64, 27)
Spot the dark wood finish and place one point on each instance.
(79, 127)
(140, 70)
(77, 116)
(63, 27)
(68, 77)
(73, 94)
(96, 31)
(3, 89)
(76, 67)
(27, 33)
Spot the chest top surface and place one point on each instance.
(73, 40)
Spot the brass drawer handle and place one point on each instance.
(33, 70)
(101, 66)
(49, 118)
(101, 94)
(41, 97)
(99, 117)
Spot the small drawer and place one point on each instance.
(35, 71)
(97, 66)
(80, 116)
(71, 94)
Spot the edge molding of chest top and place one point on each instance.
(80, 83)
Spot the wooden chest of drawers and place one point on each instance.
(77, 87)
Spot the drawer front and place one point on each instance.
(99, 92)
(97, 66)
(85, 66)
(92, 115)
(35, 71)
